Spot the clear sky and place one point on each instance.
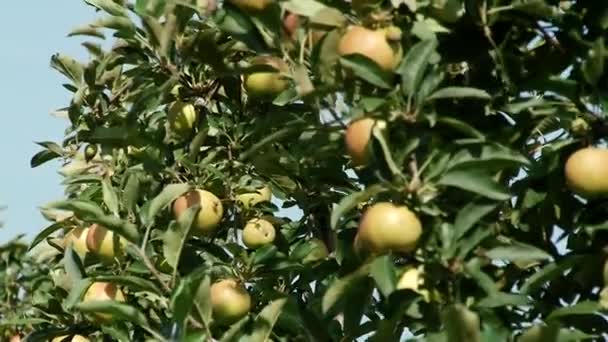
(30, 32)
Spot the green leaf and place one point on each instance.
(340, 286)
(153, 8)
(203, 300)
(76, 292)
(500, 299)
(175, 237)
(109, 6)
(518, 252)
(367, 70)
(593, 66)
(581, 308)
(131, 192)
(118, 311)
(123, 25)
(46, 232)
(414, 65)
(265, 321)
(383, 272)
(377, 134)
(68, 66)
(352, 201)
(110, 198)
(475, 181)
(169, 194)
(235, 330)
(90, 212)
(460, 92)
(183, 297)
(470, 215)
(72, 264)
(132, 282)
(549, 272)
(305, 8)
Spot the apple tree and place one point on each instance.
(329, 170)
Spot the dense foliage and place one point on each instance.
(449, 123)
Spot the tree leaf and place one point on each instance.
(549, 272)
(368, 70)
(132, 282)
(414, 65)
(470, 215)
(118, 311)
(352, 201)
(340, 286)
(46, 232)
(72, 264)
(68, 66)
(203, 300)
(109, 6)
(169, 194)
(110, 198)
(518, 252)
(475, 181)
(581, 308)
(460, 92)
(499, 299)
(265, 321)
(383, 272)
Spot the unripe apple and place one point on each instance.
(210, 214)
(411, 279)
(462, 324)
(371, 44)
(74, 338)
(532, 334)
(250, 199)
(357, 137)
(586, 172)
(102, 291)
(386, 227)
(267, 84)
(230, 301)
(90, 152)
(77, 237)
(182, 117)
(105, 244)
(258, 233)
(251, 5)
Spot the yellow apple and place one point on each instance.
(257, 233)
(210, 214)
(411, 279)
(230, 301)
(75, 338)
(386, 227)
(267, 84)
(586, 172)
(250, 199)
(182, 117)
(372, 44)
(105, 244)
(357, 137)
(77, 237)
(102, 291)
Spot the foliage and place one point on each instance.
(481, 113)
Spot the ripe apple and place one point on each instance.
(251, 5)
(182, 117)
(586, 172)
(250, 199)
(210, 214)
(105, 244)
(257, 233)
(75, 338)
(372, 44)
(230, 301)
(290, 24)
(267, 84)
(15, 338)
(357, 138)
(77, 237)
(102, 291)
(386, 227)
(411, 279)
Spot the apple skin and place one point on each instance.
(586, 172)
(265, 84)
(230, 301)
(102, 291)
(105, 244)
(75, 338)
(251, 199)
(208, 217)
(370, 43)
(15, 338)
(251, 5)
(386, 227)
(182, 117)
(411, 279)
(258, 233)
(78, 238)
(357, 137)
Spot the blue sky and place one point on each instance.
(29, 91)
